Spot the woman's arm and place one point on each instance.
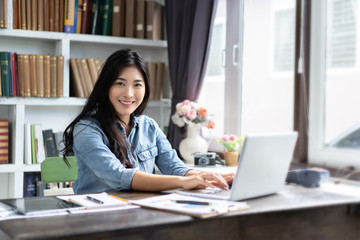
(193, 179)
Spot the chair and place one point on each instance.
(54, 170)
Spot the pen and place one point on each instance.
(94, 200)
(192, 202)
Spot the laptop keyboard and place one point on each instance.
(221, 192)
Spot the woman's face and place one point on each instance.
(127, 92)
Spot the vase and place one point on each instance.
(191, 144)
(231, 158)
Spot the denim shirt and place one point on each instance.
(100, 170)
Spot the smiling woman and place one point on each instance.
(116, 147)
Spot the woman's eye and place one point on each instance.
(120, 83)
(138, 85)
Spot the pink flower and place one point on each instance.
(186, 102)
(232, 137)
(224, 138)
(184, 109)
(191, 114)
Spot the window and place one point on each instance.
(334, 128)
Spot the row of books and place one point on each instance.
(40, 144)
(30, 75)
(156, 71)
(34, 187)
(4, 141)
(84, 73)
(127, 18)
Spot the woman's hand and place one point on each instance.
(193, 180)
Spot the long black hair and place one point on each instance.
(99, 106)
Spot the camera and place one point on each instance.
(205, 159)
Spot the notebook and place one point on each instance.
(40, 205)
(262, 168)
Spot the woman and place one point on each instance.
(115, 147)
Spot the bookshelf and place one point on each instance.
(56, 113)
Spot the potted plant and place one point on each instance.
(232, 145)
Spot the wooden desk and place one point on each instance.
(294, 213)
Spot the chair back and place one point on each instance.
(54, 169)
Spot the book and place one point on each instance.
(2, 13)
(118, 18)
(23, 14)
(26, 72)
(69, 16)
(0, 81)
(11, 83)
(15, 5)
(56, 15)
(93, 70)
(192, 206)
(130, 18)
(59, 142)
(20, 66)
(5, 79)
(82, 77)
(5, 14)
(152, 80)
(40, 15)
(39, 144)
(53, 76)
(61, 15)
(52, 15)
(14, 74)
(140, 18)
(30, 180)
(49, 143)
(79, 16)
(98, 64)
(95, 17)
(33, 146)
(40, 75)
(86, 17)
(46, 15)
(154, 20)
(33, 77)
(75, 80)
(27, 144)
(106, 15)
(47, 76)
(34, 17)
(28, 14)
(4, 141)
(87, 76)
(60, 76)
(160, 68)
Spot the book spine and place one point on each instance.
(17, 75)
(152, 73)
(27, 144)
(11, 85)
(5, 14)
(160, 68)
(49, 143)
(79, 16)
(14, 74)
(4, 141)
(0, 80)
(60, 76)
(46, 15)
(34, 24)
(61, 14)
(33, 147)
(28, 14)
(40, 15)
(96, 17)
(106, 17)
(20, 65)
(86, 17)
(4, 58)
(87, 76)
(92, 69)
(40, 75)
(33, 77)
(52, 15)
(53, 76)
(116, 18)
(69, 16)
(26, 64)
(140, 18)
(130, 18)
(82, 77)
(2, 13)
(56, 15)
(15, 14)
(75, 79)
(23, 14)
(30, 183)
(47, 76)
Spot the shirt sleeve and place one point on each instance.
(90, 148)
(167, 160)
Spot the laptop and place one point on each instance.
(262, 168)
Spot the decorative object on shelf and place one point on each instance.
(194, 117)
(233, 147)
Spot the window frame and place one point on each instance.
(318, 153)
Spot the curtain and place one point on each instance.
(302, 55)
(189, 27)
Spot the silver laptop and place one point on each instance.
(262, 168)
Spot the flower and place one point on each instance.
(231, 142)
(190, 113)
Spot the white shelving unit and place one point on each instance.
(57, 113)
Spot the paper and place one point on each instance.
(169, 203)
(95, 200)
